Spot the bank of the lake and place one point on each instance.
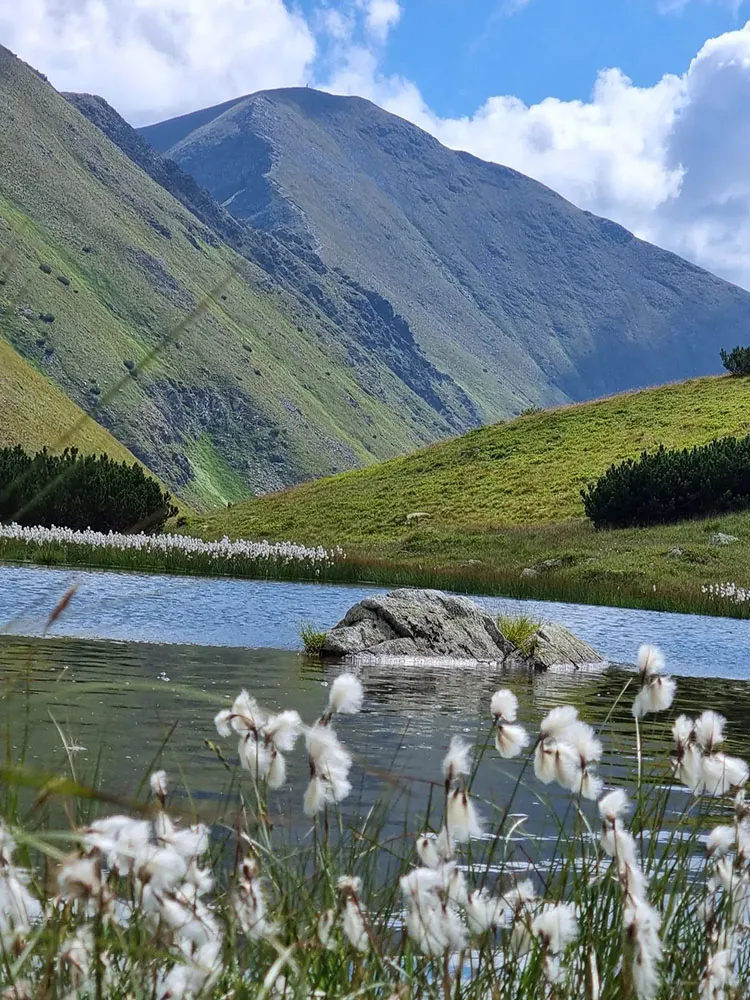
(669, 568)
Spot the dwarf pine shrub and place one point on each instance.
(666, 486)
(79, 491)
(737, 361)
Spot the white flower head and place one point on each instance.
(354, 927)
(557, 721)
(556, 926)
(283, 730)
(504, 706)
(346, 695)
(650, 660)
(709, 730)
(461, 818)
(510, 740)
(158, 783)
(457, 762)
(656, 695)
(720, 841)
(613, 806)
(484, 912)
(722, 774)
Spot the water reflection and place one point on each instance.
(118, 701)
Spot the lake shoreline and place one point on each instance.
(362, 570)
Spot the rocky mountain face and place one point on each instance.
(227, 359)
(522, 297)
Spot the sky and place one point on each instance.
(638, 110)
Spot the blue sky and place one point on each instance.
(461, 51)
(637, 110)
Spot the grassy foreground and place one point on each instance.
(163, 897)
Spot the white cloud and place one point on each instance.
(155, 58)
(380, 17)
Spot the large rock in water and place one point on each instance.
(430, 623)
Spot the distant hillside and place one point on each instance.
(36, 413)
(522, 297)
(527, 471)
(291, 371)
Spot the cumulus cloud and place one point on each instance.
(155, 58)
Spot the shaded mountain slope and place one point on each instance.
(258, 387)
(36, 413)
(524, 472)
(519, 294)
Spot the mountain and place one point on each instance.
(496, 479)
(266, 366)
(517, 293)
(36, 413)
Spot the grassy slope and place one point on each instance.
(257, 392)
(37, 413)
(506, 497)
(529, 470)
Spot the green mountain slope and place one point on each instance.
(521, 296)
(268, 382)
(524, 472)
(36, 413)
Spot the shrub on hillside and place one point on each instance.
(737, 361)
(75, 491)
(666, 486)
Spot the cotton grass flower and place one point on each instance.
(330, 763)
(159, 786)
(457, 762)
(657, 689)
(353, 923)
(510, 738)
(484, 912)
(708, 730)
(346, 696)
(719, 976)
(461, 818)
(722, 774)
(642, 924)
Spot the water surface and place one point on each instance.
(260, 614)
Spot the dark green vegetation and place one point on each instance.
(522, 297)
(665, 486)
(75, 491)
(736, 361)
(286, 371)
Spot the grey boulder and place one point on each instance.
(429, 623)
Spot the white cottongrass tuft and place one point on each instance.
(346, 695)
(457, 762)
(722, 774)
(158, 783)
(642, 924)
(330, 763)
(510, 740)
(555, 926)
(656, 695)
(461, 818)
(504, 706)
(709, 730)
(613, 805)
(650, 660)
(718, 977)
(720, 841)
(484, 912)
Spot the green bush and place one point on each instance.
(666, 486)
(521, 630)
(74, 491)
(737, 361)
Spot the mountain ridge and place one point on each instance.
(523, 297)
